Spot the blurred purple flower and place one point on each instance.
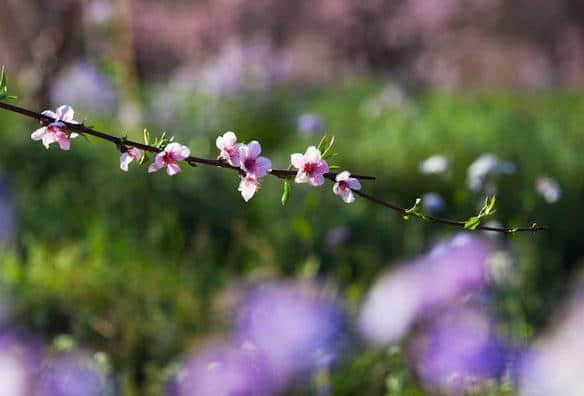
(224, 371)
(549, 189)
(295, 327)
(459, 349)
(337, 235)
(72, 374)
(554, 365)
(391, 306)
(484, 168)
(20, 357)
(432, 202)
(308, 124)
(451, 271)
(434, 165)
(83, 85)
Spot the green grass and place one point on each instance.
(139, 266)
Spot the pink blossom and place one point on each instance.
(345, 185)
(248, 186)
(56, 130)
(229, 148)
(169, 157)
(311, 167)
(128, 156)
(251, 162)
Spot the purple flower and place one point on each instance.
(224, 371)
(19, 363)
(458, 349)
(548, 188)
(554, 365)
(295, 327)
(433, 202)
(391, 306)
(308, 124)
(453, 269)
(72, 374)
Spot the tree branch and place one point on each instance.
(280, 173)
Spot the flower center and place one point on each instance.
(168, 158)
(309, 167)
(343, 185)
(249, 163)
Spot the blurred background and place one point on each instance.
(137, 284)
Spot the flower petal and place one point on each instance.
(65, 113)
(172, 169)
(39, 133)
(48, 139)
(263, 166)
(297, 160)
(254, 149)
(125, 160)
(248, 187)
(300, 177)
(355, 184)
(155, 166)
(348, 196)
(321, 167)
(50, 113)
(312, 154)
(316, 180)
(343, 176)
(63, 141)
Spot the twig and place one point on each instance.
(280, 173)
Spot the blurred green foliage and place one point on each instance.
(143, 266)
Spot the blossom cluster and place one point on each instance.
(311, 166)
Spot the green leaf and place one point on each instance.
(415, 210)
(146, 137)
(327, 152)
(323, 143)
(286, 192)
(3, 84)
(487, 210)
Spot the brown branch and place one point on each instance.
(281, 173)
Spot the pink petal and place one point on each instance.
(135, 153)
(300, 177)
(49, 113)
(178, 151)
(248, 187)
(354, 183)
(48, 139)
(343, 176)
(125, 160)
(321, 167)
(155, 166)
(348, 196)
(263, 166)
(234, 159)
(65, 113)
(312, 154)
(63, 142)
(316, 180)
(227, 140)
(337, 189)
(297, 160)
(172, 169)
(254, 149)
(39, 133)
